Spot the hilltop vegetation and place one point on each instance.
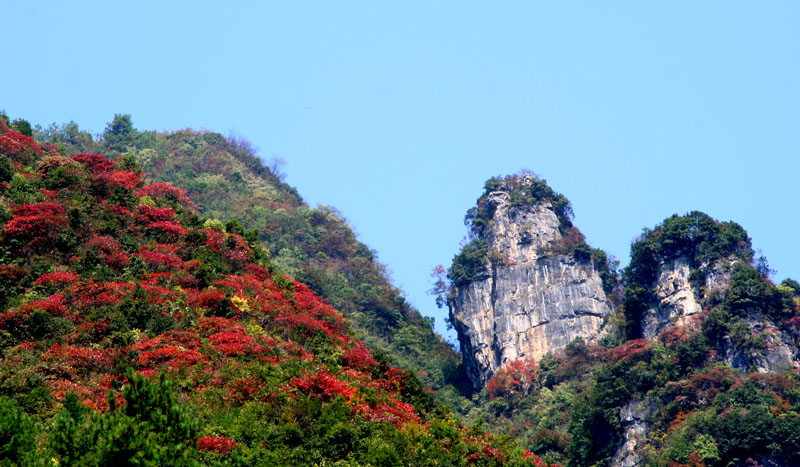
(227, 181)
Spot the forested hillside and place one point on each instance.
(134, 332)
(227, 181)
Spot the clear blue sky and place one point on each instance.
(396, 113)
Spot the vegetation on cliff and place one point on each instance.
(696, 409)
(697, 237)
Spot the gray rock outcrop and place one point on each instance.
(779, 352)
(634, 418)
(676, 299)
(530, 302)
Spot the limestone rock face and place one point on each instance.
(677, 301)
(529, 302)
(780, 351)
(634, 420)
(676, 298)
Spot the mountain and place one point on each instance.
(694, 363)
(689, 357)
(227, 181)
(135, 332)
(527, 284)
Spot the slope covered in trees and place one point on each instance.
(134, 332)
(227, 181)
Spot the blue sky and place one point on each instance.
(396, 113)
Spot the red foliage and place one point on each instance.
(244, 389)
(185, 339)
(91, 294)
(307, 322)
(311, 314)
(49, 194)
(97, 163)
(694, 461)
(231, 246)
(215, 324)
(85, 358)
(154, 352)
(110, 249)
(167, 228)
(129, 180)
(259, 271)
(358, 356)
(393, 381)
(213, 300)
(10, 274)
(322, 384)
(793, 322)
(35, 224)
(702, 388)
(53, 304)
(631, 349)
(218, 444)
(674, 336)
(89, 397)
(567, 243)
(393, 411)
(160, 255)
(166, 192)
(209, 351)
(517, 377)
(534, 459)
(12, 320)
(231, 343)
(149, 214)
(118, 211)
(18, 147)
(56, 279)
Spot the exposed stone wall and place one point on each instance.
(634, 418)
(676, 301)
(530, 303)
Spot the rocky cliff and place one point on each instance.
(530, 299)
(634, 420)
(677, 298)
(677, 301)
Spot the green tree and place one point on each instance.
(151, 429)
(120, 133)
(22, 126)
(16, 434)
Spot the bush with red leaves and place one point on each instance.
(165, 192)
(37, 224)
(218, 444)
